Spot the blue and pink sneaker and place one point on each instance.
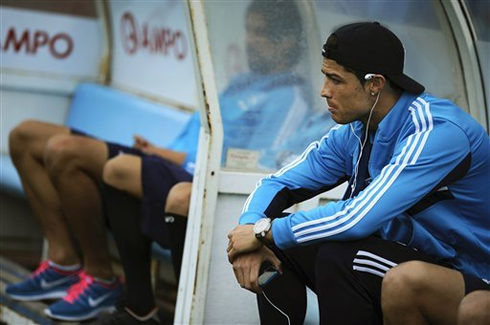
(46, 282)
(86, 299)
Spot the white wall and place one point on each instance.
(18, 105)
(227, 302)
(151, 52)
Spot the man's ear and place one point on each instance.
(376, 83)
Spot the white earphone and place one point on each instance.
(362, 144)
(369, 76)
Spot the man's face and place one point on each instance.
(346, 97)
(261, 52)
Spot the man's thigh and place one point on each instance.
(349, 275)
(33, 136)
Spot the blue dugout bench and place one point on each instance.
(115, 116)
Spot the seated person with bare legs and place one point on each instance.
(61, 170)
(418, 169)
(421, 293)
(61, 183)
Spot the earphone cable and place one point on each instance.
(356, 170)
(277, 308)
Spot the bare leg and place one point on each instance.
(475, 309)
(27, 143)
(179, 198)
(421, 293)
(75, 164)
(124, 173)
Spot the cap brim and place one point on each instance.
(407, 83)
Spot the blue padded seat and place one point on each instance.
(116, 116)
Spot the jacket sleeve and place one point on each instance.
(187, 141)
(421, 161)
(320, 167)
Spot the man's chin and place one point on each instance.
(339, 119)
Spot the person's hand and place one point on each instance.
(140, 142)
(143, 144)
(241, 240)
(247, 267)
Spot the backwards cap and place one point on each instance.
(372, 48)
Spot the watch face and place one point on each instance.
(261, 225)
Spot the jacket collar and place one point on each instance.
(396, 117)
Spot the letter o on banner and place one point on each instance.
(61, 46)
(180, 45)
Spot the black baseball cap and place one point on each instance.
(371, 48)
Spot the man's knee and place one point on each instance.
(475, 308)
(178, 199)
(20, 136)
(61, 153)
(402, 282)
(408, 275)
(115, 171)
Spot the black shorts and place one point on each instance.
(473, 283)
(113, 149)
(346, 277)
(158, 176)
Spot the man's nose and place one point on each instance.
(325, 91)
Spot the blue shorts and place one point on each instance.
(158, 176)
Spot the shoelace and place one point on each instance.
(77, 289)
(41, 268)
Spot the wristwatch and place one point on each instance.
(261, 228)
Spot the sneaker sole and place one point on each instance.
(50, 295)
(90, 315)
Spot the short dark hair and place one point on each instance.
(283, 21)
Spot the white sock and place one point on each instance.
(105, 281)
(148, 316)
(74, 267)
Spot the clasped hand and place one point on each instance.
(246, 253)
(241, 240)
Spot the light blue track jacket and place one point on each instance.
(257, 112)
(430, 164)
